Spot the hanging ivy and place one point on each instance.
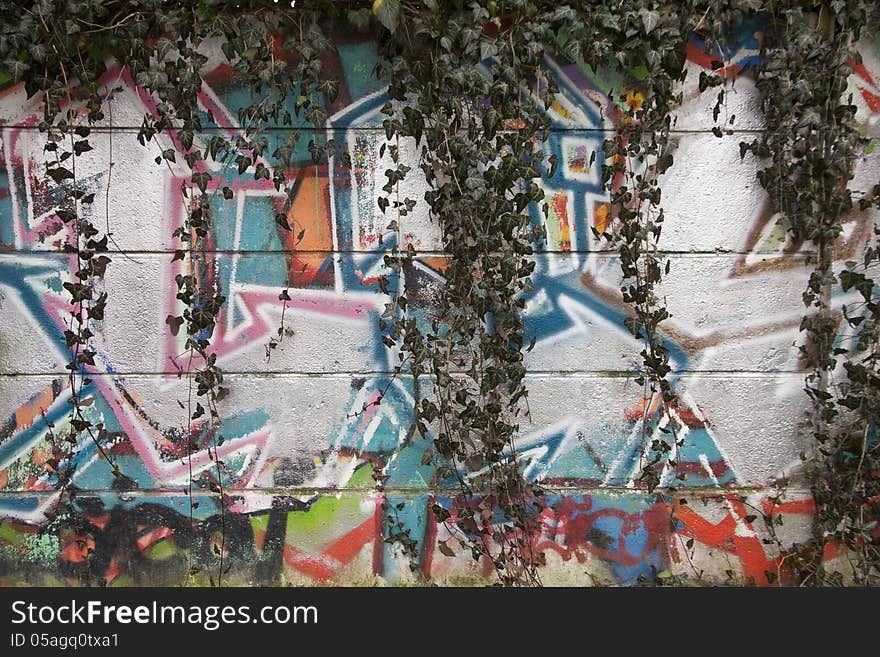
(651, 36)
(813, 143)
(470, 90)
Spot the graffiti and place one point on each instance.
(306, 436)
(328, 538)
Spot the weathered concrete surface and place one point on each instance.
(299, 457)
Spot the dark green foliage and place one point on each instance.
(460, 83)
(813, 144)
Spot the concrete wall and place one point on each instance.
(298, 458)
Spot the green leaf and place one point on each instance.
(440, 514)
(387, 12)
(16, 68)
(59, 174)
(261, 172)
(649, 18)
(201, 180)
(359, 18)
(80, 147)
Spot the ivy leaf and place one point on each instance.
(387, 12)
(440, 514)
(78, 291)
(445, 549)
(261, 172)
(649, 18)
(96, 312)
(174, 323)
(186, 138)
(163, 47)
(359, 18)
(71, 338)
(488, 49)
(243, 163)
(87, 357)
(532, 343)
(99, 266)
(16, 68)
(80, 425)
(59, 174)
(80, 147)
(201, 180)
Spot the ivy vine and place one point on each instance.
(813, 144)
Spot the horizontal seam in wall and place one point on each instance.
(381, 131)
(348, 374)
(290, 492)
(428, 252)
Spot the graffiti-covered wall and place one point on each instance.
(312, 418)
